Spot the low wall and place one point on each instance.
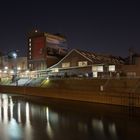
(97, 96)
(115, 91)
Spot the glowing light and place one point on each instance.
(112, 68)
(11, 108)
(11, 71)
(27, 114)
(19, 113)
(6, 68)
(5, 71)
(18, 68)
(27, 71)
(5, 108)
(100, 69)
(28, 129)
(47, 113)
(95, 74)
(47, 78)
(14, 55)
(55, 70)
(48, 128)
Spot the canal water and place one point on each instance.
(26, 118)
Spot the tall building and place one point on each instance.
(45, 49)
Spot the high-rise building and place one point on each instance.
(45, 49)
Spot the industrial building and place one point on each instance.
(45, 49)
(88, 64)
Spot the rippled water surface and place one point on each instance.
(23, 119)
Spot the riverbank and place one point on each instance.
(123, 92)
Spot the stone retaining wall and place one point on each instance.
(71, 91)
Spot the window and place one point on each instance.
(95, 74)
(112, 68)
(30, 44)
(30, 49)
(97, 68)
(100, 68)
(82, 63)
(55, 70)
(133, 74)
(66, 65)
(94, 68)
(30, 40)
(30, 65)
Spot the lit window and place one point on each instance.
(30, 65)
(112, 68)
(30, 44)
(30, 40)
(100, 68)
(94, 68)
(95, 74)
(82, 63)
(66, 65)
(30, 49)
(55, 70)
(131, 74)
(29, 53)
(30, 57)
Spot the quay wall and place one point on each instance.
(125, 92)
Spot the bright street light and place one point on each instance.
(14, 55)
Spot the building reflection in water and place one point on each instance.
(16, 121)
(5, 108)
(28, 128)
(11, 108)
(19, 113)
(0, 108)
(48, 127)
(20, 119)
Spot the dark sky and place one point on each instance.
(106, 27)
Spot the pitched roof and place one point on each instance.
(96, 58)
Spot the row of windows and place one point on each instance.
(80, 64)
(111, 68)
(30, 54)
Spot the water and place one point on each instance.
(23, 119)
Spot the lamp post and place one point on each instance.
(13, 55)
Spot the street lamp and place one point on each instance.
(13, 55)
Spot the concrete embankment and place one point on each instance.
(114, 91)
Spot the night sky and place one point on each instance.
(104, 27)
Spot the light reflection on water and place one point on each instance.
(23, 120)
